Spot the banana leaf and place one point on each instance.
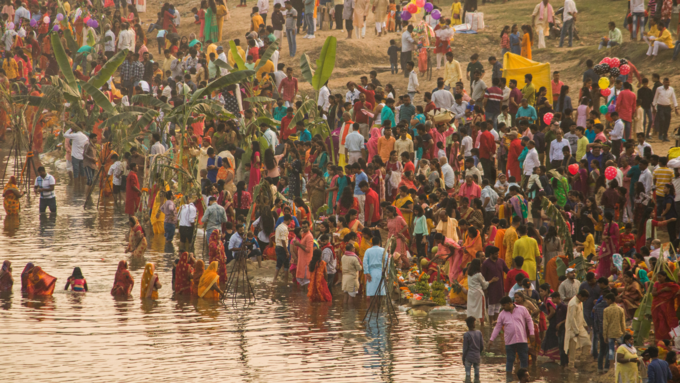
(108, 69)
(146, 119)
(62, 61)
(223, 65)
(307, 107)
(266, 120)
(237, 57)
(561, 267)
(561, 226)
(224, 81)
(259, 99)
(31, 100)
(642, 321)
(100, 99)
(325, 64)
(70, 94)
(72, 44)
(306, 67)
(120, 118)
(91, 41)
(267, 55)
(150, 101)
(264, 145)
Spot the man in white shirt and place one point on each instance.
(156, 146)
(556, 154)
(616, 134)
(646, 177)
(352, 93)
(281, 243)
(408, 44)
(126, 39)
(459, 107)
(531, 161)
(44, 184)
(663, 99)
(442, 98)
(447, 172)
(263, 6)
(354, 145)
(187, 218)
(270, 136)
(324, 95)
(78, 142)
(21, 13)
(109, 42)
(568, 19)
(222, 56)
(466, 144)
(642, 145)
(413, 84)
(116, 172)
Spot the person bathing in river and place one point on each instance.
(76, 281)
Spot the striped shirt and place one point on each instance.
(663, 176)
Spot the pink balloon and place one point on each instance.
(610, 173)
(420, 3)
(412, 8)
(573, 169)
(624, 69)
(547, 118)
(605, 92)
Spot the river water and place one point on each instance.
(91, 337)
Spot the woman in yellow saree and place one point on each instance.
(459, 290)
(157, 217)
(150, 282)
(353, 222)
(209, 285)
(12, 195)
(405, 204)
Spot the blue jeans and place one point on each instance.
(78, 167)
(493, 117)
(309, 19)
(568, 27)
(81, 62)
(602, 359)
(394, 67)
(648, 119)
(48, 202)
(169, 231)
(522, 349)
(641, 17)
(609, 44)
(468, 367)
(292, 46)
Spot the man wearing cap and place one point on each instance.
(570, 286)
(213, 217)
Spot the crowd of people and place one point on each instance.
(481, 187)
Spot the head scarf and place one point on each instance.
(24, 277)
(208, 279)
(372, 144)
(6, 265)
(147, 279)
(182, 282)
(40, 283)
(6, 280)
(198, 273)
(123, 282)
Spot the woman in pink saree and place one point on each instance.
(397, 227)
(610, 245)
(372, 144)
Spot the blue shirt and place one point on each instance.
(658, 371)
(280, 220)
(529, 111)
(212, 174)
(357, 180)
(590, 135)
(305, 136)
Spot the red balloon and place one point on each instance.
(412, 8)
(547, 118)
(573, 169)
(605, 92)
(614, 62)
(624, 69)
(610, 173)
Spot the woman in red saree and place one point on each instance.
(199, 268)
(24, 277)
(6, 280)
(346, 202)
(318, 287)
(123, 283)
(372, 144)
(133, 191)
(183, 274)
(610, 245)
(39, 283)
(216, 254)
(255, 165)
(397, 227)
(354, 224)
(665, 294)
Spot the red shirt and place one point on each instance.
(409, 167)
(288, 88)
(510, 279)
(487, 145)
(430, 106)
(471, 192)
(255, 52)
(360, 117)
(626, 103)
(370, 94)
(285, 132)
(373, 200)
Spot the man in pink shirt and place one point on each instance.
(556, 87)
(514, 321)
(625, 105)
(470, 189)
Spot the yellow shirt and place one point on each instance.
(662, 176)
(268, 67)
(527, 247)
(653, 31)
(589, 246)
(167, 65)
(241, 53)
(67, 7)
(666, 38)
(11, 68)
(509, 243)
(257, 21)
(452, 73)
(212, 48)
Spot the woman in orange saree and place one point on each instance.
(183, 274)
(472, 245)
(500, 235)
(551, 276)
(199, 269)
(209, 285)
(318, 287)
(216, 254)
(39, 283)
(12, 195)
(6, 280)
(24, 277)
(123, 283)
(665, 294)
(354, 224)
(150, 282)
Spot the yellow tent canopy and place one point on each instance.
(516, 66)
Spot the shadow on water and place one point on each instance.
(280, 337)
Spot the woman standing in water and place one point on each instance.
(37, 282)
(136, 238)
(318, 287)
(76, 281)
(184, 273)
(199, 269)
(123, 283)
(150, 282)
(6, 280)
(12, 194)
(209, 285)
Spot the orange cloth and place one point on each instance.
(39, 283)
(318, 287)
(551, 276)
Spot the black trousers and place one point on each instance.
(405, 58)
(663, 118)
(338, 16)
(489, 170)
